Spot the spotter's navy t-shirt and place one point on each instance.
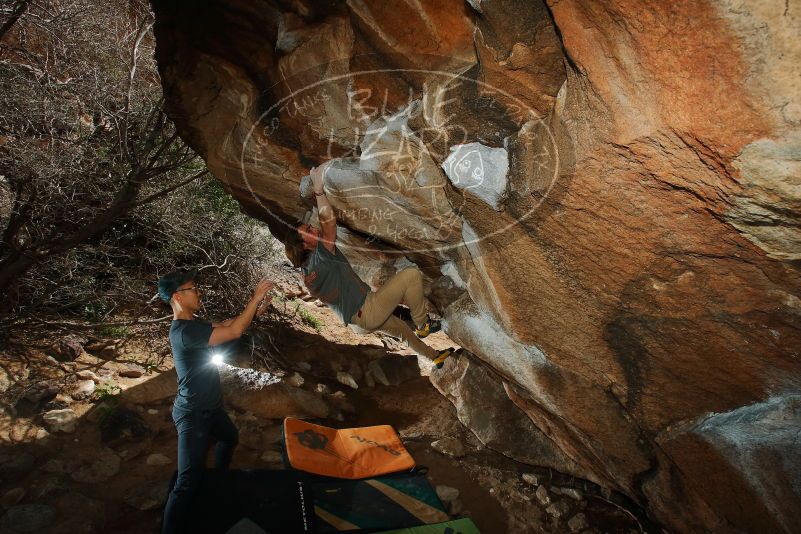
(198, 378)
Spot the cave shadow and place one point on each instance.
(121, 423)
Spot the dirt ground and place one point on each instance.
(104, 477)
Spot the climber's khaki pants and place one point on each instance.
(376, 312)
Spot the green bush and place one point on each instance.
(107, 392)
(115, 331)
(308, 318)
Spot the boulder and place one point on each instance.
(25, 518)
(275, 401)
(46, 487)
(573, 493)
(102, 466)
(368, 379)
(273, 436)
(393, 370)
(68, 348)
(251, 436)
(543, 496)
(737, 453)
(86, 374)
(42, 391)
(148, 496)
(578, 522)
(16, 462)
(447, 494)
(347, 379)
(507, 429)
(5, 380)
(83, 513)
(13, 374)
(83, 389)
(616, 278)
(64, 421)
(355, 370)
(296, 380)
(157, 459)
(12, 497)
(131, 370)
(558, 510)
(53, 465)
(450, 447)
(118, 425)
(272, 458)
(152, 391)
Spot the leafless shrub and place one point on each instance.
(84, 136)
(98, 194)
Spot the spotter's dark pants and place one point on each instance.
(194, 430)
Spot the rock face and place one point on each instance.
(269, 398)
(604, 197)
(483, 406)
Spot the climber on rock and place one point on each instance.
(329, 277)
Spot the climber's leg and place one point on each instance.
(396, 327)
(407, 287)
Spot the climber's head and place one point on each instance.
(309, 235)
(300, 241)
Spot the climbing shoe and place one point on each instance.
(443, 355)
(429, 328)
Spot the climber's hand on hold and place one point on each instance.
(263, 305)
(317, 175)
(237, 327)
(325, 212)
(264, 285)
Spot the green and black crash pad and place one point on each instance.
(277, 502)
(370, 505)
(456, 526)
(287, 502)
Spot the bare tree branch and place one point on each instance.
(147, 23)
(19, 9)
(169, 190)
(95, 171)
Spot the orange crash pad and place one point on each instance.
(345, 453)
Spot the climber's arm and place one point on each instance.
(237, 326)
(325, 213)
